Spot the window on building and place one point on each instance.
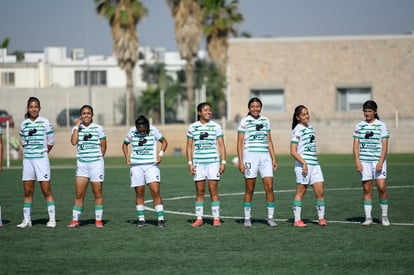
(97, 78)
(7, 79)
(351, 99)
(273, 100)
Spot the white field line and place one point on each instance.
(278, 191)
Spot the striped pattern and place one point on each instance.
(255, 133)
(305, 137)
(370, 137)
(205, 141)
(144, 147)
(89, 142)
(35, 136)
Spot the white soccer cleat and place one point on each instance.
(271, 222)
(385, 221)
(25, 224)
(51, 224)
(367, 222)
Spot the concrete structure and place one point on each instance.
(332, 76)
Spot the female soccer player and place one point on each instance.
(307, 170)
(143, 160)
(256, 153)
(370, 154)
(205, 143)
(37, 138)
(90, 140)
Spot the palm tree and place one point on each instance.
(123, 16)
(218, 20)
(188, 31)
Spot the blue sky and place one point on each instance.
(34, 25)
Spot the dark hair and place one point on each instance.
(142, 122)
(200, 107)
(254, 99)
(296, 113)
(371, 105)
(30, 100)
(86, 106)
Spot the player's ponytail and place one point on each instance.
(296, 113)
(371, 105)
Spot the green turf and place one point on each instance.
(343, 247)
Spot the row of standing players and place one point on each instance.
(205, 146)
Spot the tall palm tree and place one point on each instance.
(123, 17)
(219, 18)
(188, 31)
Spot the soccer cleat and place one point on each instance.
(198, 222)
(51, 223)
(99, 224)
(161, 224)
(216, 222)
(385, 221)
(25, 224)
(322, 222)
(247, 223)
(299, 223)
(73, 224)
(141, 224)
(271, 222)
(367, 222)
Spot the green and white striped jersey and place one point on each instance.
(255, 133)
(205, 138)
(370, 137)
(89, 142)
(305, 137)
(35, 136)
(144, 147)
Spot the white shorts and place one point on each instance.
(314, 174)
(208, 171)
(257, 162)
(94, 170)
(142, 174)
(369, 172)
(36, 169)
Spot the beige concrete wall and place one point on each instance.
(310, 69)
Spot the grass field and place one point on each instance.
(343, 247)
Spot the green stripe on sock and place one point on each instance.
(50, 203)
(385, 202)
(215, 203)
(140, 212)
(297, 203)
(78, 208)
(28, 204)
(199, 203)
(160, 213)
(320, 203)
(270, 204)
(247, 204)
(99, 207)
(367, 202)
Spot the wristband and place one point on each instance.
(161, 153)
(76, 128)
(223, 162)
(190, 162)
